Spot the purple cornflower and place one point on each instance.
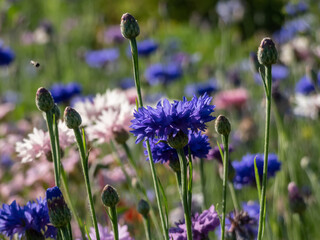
(244, 169)
(244, 224)
(64, 92)
(162, 73)
(6, 55)
(100, 58)
(113, 35)
(201, 88)
(305, 85)
(162, 152)
(167, 119)
(202, 224)
(33, 218)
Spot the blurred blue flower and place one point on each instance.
(146, 47)
(6, 55)
(164, 74)
(126, 83)
(296, 8)
(63, 93)
(245, 223)
(201, 88)
(305, 85)
(10, 96)
(5, 161)
(202, 224)
(30, 219)
(170, 118)
(230, 11)
(80, 98)
(244, 169)
(100, 58)
(162, 152)
(291, 29)
(279, 72)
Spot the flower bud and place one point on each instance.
(58, 210)
(129, 26)
(296, 201)
(56, 111)
(143, 208)
(267, 52)
(44, 100)
(223, 126)
(109, 196)
(72, 118)
(174, 164)
(121, 136)
(179, 141)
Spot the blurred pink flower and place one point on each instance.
(5, 108)
(42, 171)
(115, 175)
(231, 98)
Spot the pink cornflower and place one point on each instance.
(231, 98)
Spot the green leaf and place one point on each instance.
(165, 200)
(87, 232)
(256, 173)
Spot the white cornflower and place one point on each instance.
(307, 106)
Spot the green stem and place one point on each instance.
(146, 224)
(129, 155)
(203, 183)
(65, 233)
(134, 52)
(268, 80)
(190, 182)
(53, 148)
(234, 197)
(86, 178)
(224, 184)
(184, 191)
(57, 143)
(114, 222)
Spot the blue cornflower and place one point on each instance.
(6, 55)
(164, 74)
(126, 83)
(63, 93)
(31, 219)
(305, 85)
(244, 169)
(291, 29)
(167, 119)
(100, 58)
(244, 224)
(146, 47)
(201, 88)
(279, 72)
(296, 8)
(162, 152)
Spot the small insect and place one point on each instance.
(34, 63)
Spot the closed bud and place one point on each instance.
(143, 208)
(267, 52)
(179, 141)
(129, 26)
(121, 136)
(72, 118)
(223, 126)
(56, 111)
(58, 210)
(44, 100)
(174, 164)
(109, 196)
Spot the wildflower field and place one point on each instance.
(172, 120)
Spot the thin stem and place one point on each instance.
(114, 222)
(86, 178)
(234, 197)
(129, 155)
(266, 149)
(134, 52)
(135, 62)
(225, 180)
(56, 136)
(190, 181)
(203, 183)
(53, 148)
(184, 191)
(146, 224)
